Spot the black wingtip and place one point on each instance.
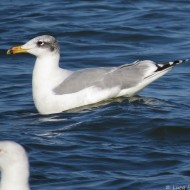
(180, 61)
(170, 64)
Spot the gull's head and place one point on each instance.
(12, 155)
(39, 46)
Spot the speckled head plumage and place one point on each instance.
(47, 42)
(41, 45)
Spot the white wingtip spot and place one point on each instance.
(171, 63)
(160, 65)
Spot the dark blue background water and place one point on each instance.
(127, 144)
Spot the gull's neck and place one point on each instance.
(46, 76)
(47, 72)
(15, 176)
(46, 67)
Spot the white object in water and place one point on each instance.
(56, 89)
(14, 166)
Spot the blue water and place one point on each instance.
(125, 144)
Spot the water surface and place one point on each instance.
(125, 144)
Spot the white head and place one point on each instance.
(39, 46)
(14, 166)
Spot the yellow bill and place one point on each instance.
(16, 49)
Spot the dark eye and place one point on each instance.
(40, 43)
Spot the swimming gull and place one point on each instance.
(14, 166)
(56, 89)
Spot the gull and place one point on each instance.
(56, 89)
(14, 166)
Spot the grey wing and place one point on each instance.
(125, 76)
(82, 79)
(130, 75)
